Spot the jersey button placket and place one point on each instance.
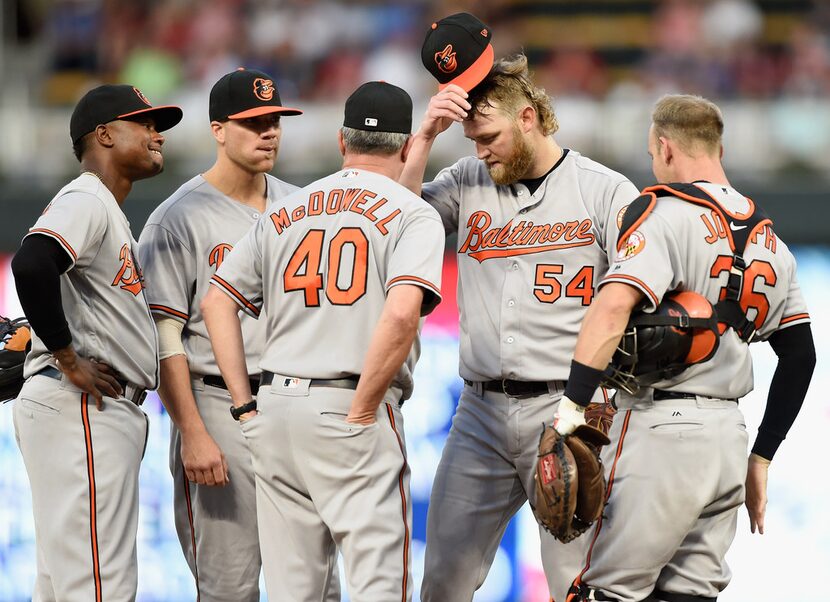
(510, 319)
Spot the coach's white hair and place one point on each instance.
(364, 142)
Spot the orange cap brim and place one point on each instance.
(266, 110)
(475, 73)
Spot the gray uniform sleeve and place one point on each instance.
(77, 221)
(649, 261)
(444, 194)
(240, 275)
(418, 259)
(623, 195)
(169, 268)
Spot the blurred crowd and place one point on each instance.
(318, 49)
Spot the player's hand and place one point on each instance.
(94, 378)
(203, 460)
(449, 105)
(364, 418)
(569, 416)
(756, 491)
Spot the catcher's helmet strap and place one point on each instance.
(635, 214)
(710, 323)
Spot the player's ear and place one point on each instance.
(406, 148)
(666, 149)
(104, 136)
(527, 118)
(217, 128)
(340, 143)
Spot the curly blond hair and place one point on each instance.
(509, 84)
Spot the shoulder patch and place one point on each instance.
(635, 243)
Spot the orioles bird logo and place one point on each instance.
(217, 254)
(129, 277)
(446, 60)
(263, 88)
(141, 96)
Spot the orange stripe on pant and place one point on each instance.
(401, 488)
(93, 509)
(578, 580)
(189, 504)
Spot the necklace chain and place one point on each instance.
(94, 173)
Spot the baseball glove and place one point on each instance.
(15, 342)
(570, 480)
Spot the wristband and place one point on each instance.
(243, 409)
(582, 383)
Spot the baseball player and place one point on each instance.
(183, 243)
(678, 447)
(343, 270)
(536, 226)
(94, 353)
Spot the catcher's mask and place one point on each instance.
(15, 342)
(682, 331)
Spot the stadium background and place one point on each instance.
(766, 62)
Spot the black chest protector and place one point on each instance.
(739, 230)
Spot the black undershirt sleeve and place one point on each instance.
(796, 360)
(37, 267)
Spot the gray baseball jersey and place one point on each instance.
(103, 292)
(320, 264)
(182, 245)
(83, 464)
(682, 245)
(688, 454)
(527, 263)
(337, 244)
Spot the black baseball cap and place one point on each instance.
(457, 51)
(246, 93)
(117, 101)
(379, 107)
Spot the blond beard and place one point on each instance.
(515, 167)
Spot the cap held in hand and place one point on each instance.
(246, 93)
(379, 107)
(457, 51)
(117, 101)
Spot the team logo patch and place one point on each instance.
(635, 243)
(484, 33)
(263, 89)
(620, 216)
(548, 466)
(129, 277)
(446, 60)
(291, 383)
(141, 96)
(370, 122)
(349, 174)
(217, 254)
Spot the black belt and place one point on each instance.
(661, 395)
(130, 391)
(515, 388)
(218, 381)
(348, 382)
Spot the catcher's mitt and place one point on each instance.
(15, 342)
(570, 480)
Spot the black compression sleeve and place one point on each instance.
(796, 360)
(37, 267)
